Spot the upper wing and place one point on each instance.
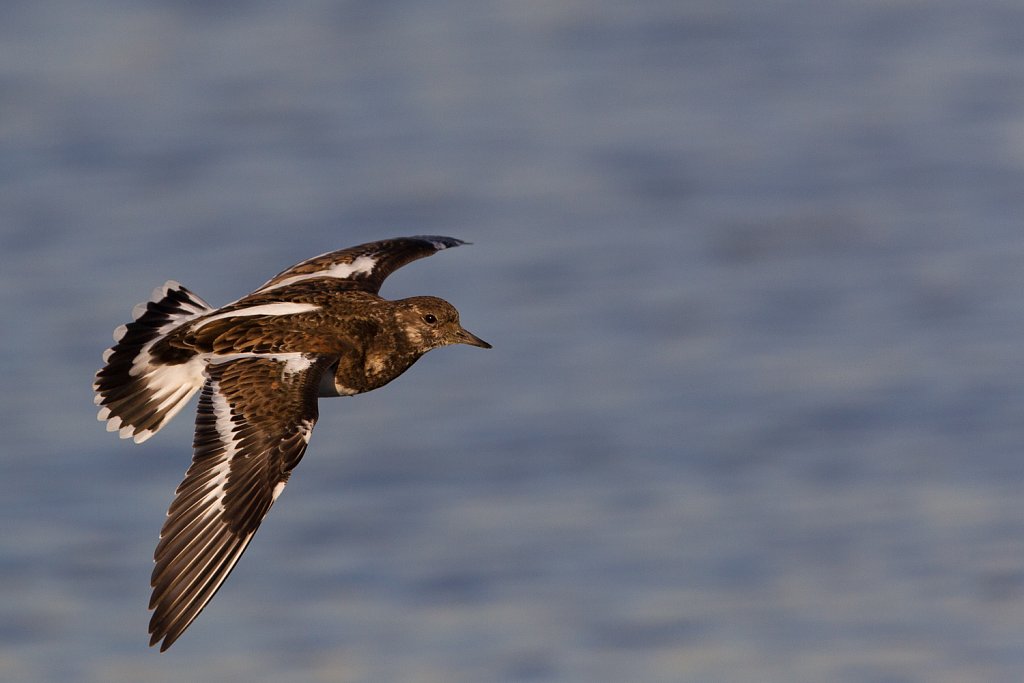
(254, 420)
(366, 265)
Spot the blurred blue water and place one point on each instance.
(753, 275)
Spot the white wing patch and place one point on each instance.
(297, 363)
(361, 265)
(282, 308)
(213, 502)
(294, 361)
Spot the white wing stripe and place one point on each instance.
(362, 265)
(293, 362)
(225, 430)
(280, 308)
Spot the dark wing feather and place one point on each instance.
(364, 266)
(254, 420)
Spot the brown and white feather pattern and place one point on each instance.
(317, 328)
(363, 267)
(255, 417)
(135, 393)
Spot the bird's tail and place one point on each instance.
(136, 392)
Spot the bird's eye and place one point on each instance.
(430, 319)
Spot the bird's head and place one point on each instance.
(430, 322)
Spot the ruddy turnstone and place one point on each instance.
(316, 329)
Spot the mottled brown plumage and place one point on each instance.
(318, 328)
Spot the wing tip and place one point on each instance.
(440, 242)
(165, 639)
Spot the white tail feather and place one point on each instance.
(138, 394)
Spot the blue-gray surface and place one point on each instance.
(754, 275)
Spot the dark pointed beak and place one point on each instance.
(465, 337)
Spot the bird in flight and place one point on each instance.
(259, 364)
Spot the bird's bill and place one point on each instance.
(463, 336)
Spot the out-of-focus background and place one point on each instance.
(753, 273)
